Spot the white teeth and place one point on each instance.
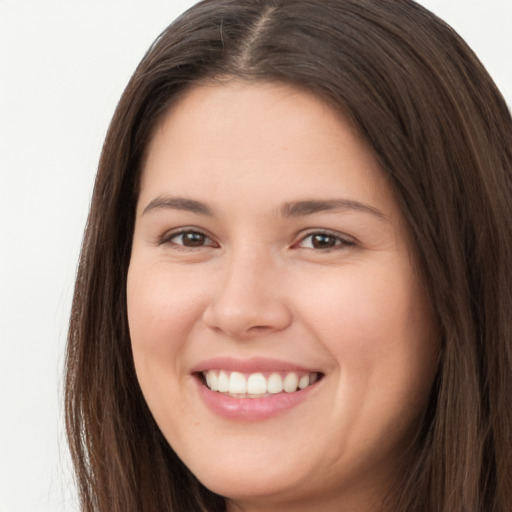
(223, 382)
(290, 383)
(303, 382)
(237, 383)
(256, 384)
(212, 381)
(275, 383)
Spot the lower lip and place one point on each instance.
(252, 409)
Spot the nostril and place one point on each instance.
(259, 328)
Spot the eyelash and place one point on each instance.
(168, 239)
(339, 241)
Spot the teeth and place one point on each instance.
(237, 383)
(223, 382)
(275, 384)
(257, 384)
(290, 383)
(212, 381)
(303, 382)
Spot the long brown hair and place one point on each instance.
(443, 136)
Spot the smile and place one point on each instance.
(254, 389)
(259, 384)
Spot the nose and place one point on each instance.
(248, 300)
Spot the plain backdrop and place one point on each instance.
(63, 66)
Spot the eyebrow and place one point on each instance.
(310, 207)
(291, 209)
(179, 203)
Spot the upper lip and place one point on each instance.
(252, 365)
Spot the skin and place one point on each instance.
(257, 284)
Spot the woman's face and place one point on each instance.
(269, 253)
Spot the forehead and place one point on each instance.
(237, 138)
(257, 109)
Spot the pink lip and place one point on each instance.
(253, 365)
(252, 409)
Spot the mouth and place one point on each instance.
(258, 384)
(254, 389)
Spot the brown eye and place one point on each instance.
(190, 239)
(324, 240)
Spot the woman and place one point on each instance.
(294, 290)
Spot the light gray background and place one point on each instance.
(63, 66)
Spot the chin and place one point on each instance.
(256, 477)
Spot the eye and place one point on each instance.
(324, 240)
(189, 239)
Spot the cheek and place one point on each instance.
(378, 327)
(367, 307)
(162, 308)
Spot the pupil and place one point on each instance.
(193, 239)
(323, 241)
